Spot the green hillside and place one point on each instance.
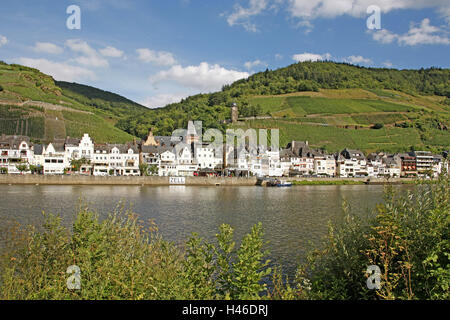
(332, 105)
(33, 104)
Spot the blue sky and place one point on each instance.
(156, 52)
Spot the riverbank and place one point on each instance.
(188, 181)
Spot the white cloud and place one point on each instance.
(47, 47)
(241, 15)
(90, 57)
(387, 64)
(203, 77)
(311, 9)
(111, 52)
(358, 60)
(163, 99)
(421, 34)
(3, 40)
(251, 64)
(59, 71)
(302, 57)
(384, 36)
(308, 10)
(160, 58)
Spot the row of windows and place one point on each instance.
(54, 161)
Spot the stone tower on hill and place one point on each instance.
(234, 113)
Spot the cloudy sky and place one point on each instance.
(156, 52)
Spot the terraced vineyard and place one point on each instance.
(336, 119)
(32, 104)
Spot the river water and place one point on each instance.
(294, 219)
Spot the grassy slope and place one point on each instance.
(68, 109)
(328, 119)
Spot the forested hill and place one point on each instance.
(324, 102)
(97, 98)
(311, 76)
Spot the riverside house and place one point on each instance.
(118, 160)
(14, 151)
(55, 160)
(170, 156)
(351, 163)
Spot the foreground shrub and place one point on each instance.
(408, 240)
(119, 259)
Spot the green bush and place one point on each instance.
(378, 126)
(119, 259)
(408, 239)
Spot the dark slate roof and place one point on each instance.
(156, 149)
(59, 147)
(353, 154)
(302, 149)
(167, 141)
(101, 147)
(13, 142)
(38, 149)
(287, 153)
(72, 141)
(123, 148)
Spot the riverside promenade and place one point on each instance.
(167, 181)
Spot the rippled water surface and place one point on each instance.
(294, 219)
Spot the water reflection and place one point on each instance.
(294, 219)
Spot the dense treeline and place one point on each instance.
(311, 76)
(306, 76)
(174, 116)
(408, 239)
(105, 101)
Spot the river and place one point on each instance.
(294, 219)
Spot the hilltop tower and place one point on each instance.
(234, 113)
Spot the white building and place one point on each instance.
(168, 164)
(351, 163)
(391, 167)
(15, 151)
(424, 162)
(115, 160)
(207, 158)
(324, 165)
(55, 160)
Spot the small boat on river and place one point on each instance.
(271, 182)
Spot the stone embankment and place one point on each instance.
(166, 181)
